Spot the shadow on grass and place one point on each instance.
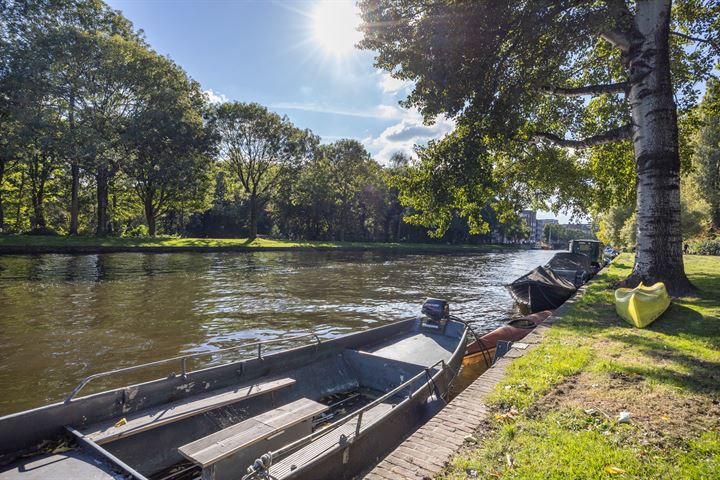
(696, 374)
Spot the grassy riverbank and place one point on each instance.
(557, 410)
(40, 244)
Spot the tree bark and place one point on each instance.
(101, 178)
(253, 217)
(74, 203)
(655, 139)
(38, 201)
(150, 216)
(18, 211)
(39, 174)
(74, 174)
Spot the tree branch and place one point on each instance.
(614, 135)
(709, 41)
(617, 39)
(586, 90)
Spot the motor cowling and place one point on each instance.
(436, 313)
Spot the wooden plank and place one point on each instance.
(211, 449)
(155, 417)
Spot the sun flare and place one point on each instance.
(335, 25)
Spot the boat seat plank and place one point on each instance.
(209, 450)
(150, 418)
(304, 456)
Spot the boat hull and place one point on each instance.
(540, 289)
(377, 359)
(513, 331)
(642, 305)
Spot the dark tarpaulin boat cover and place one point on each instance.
(541, 289)
(569, 261)
(543, 277)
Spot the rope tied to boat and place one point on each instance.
(484, 350)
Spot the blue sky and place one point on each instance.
(269, 52)
(286, 56)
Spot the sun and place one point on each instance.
(335, 26)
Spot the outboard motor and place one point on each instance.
(436, 313)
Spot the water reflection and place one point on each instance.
(64, 317)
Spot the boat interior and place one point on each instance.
(215, 423)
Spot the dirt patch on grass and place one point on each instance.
(662, 416)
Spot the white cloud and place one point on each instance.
(394, 86)
(404, 135)
(381, 111)
(215, 97)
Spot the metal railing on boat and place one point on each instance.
(265, 462)
(183, 360)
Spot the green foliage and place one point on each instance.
(138, 231)
(706, 247)
(706, 159)
(86, 102)
(258, 145)
(558, 233)
(628, 232)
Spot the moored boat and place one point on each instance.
(482, 350)
(540, 289)
(323, 410)
(593, 249)
(573, 267)
(642, 305)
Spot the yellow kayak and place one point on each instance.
(640, 306)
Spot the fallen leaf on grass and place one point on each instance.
(506, 417)
(614, 470)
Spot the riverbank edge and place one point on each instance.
(30, 245)
(428, 451)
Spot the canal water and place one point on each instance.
(64, 317)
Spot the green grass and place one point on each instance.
(592, 365)
(30, 241)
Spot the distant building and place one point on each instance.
(541, 222)
(585, 227)
(530, 219)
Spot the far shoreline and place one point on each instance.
(31, 245)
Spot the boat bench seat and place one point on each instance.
(207, 451)
(164, 414)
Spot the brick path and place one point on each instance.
(427, 451)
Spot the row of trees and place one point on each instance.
(85, 103)
(100, 134)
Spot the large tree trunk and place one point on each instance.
(74, 174)
(39, 172)
(655, 137)
(38, 201)
(102, 200)
(74, 203)
(18, 210)
(150, 215)
(253, 217)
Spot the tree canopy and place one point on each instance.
(551, 97)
